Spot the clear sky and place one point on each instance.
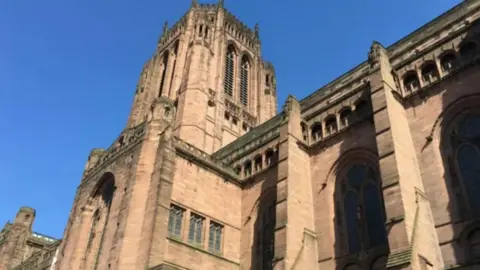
(68, 71)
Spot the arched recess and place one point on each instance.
(164, 72)
(410, 81)
(100, 200)
(345, 117)
(448, 61)
(330, 125)
(174, 64)
(445, 140)
(460, 150)
(359, 221)
(430, 72)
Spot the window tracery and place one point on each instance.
(362, 208)
(464, 143)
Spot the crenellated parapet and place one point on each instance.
(171, 34)
(235, 28)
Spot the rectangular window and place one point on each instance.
(195, 232)
(215, 237)
(175, 221)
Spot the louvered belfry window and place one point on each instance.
(244, 81)
(229, 71)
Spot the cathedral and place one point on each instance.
(379, 169)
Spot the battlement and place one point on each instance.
(170, 34)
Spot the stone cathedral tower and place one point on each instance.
(376, 170)
(205, 86)
(210, 64)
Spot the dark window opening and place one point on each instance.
(331, 125)
(247, 169)
(363, 209)
(346, 117)
(430, 73)
(258, 163)
(411, 82)
(448, 62)
(317, 132)
(468, 51)
(269, 157)
(164, 73)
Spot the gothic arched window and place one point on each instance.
(244, 73)
(464, 139)
(175, 54)
(229, 71)
(164, 73)
(362, 208)
(268, 236)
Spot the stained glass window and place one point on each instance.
(215, 237)
(363, 209)
(195, 232)
(465, 141)
(175, 221)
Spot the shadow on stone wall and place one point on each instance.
(459, 126)
(358, 217)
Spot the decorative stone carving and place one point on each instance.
(249, 119)
(374, 53)
(232, 108)
(211, 97)
(126, 139)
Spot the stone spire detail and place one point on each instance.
(257, 31)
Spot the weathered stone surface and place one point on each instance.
(194, 160)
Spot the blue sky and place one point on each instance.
(68, 71)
